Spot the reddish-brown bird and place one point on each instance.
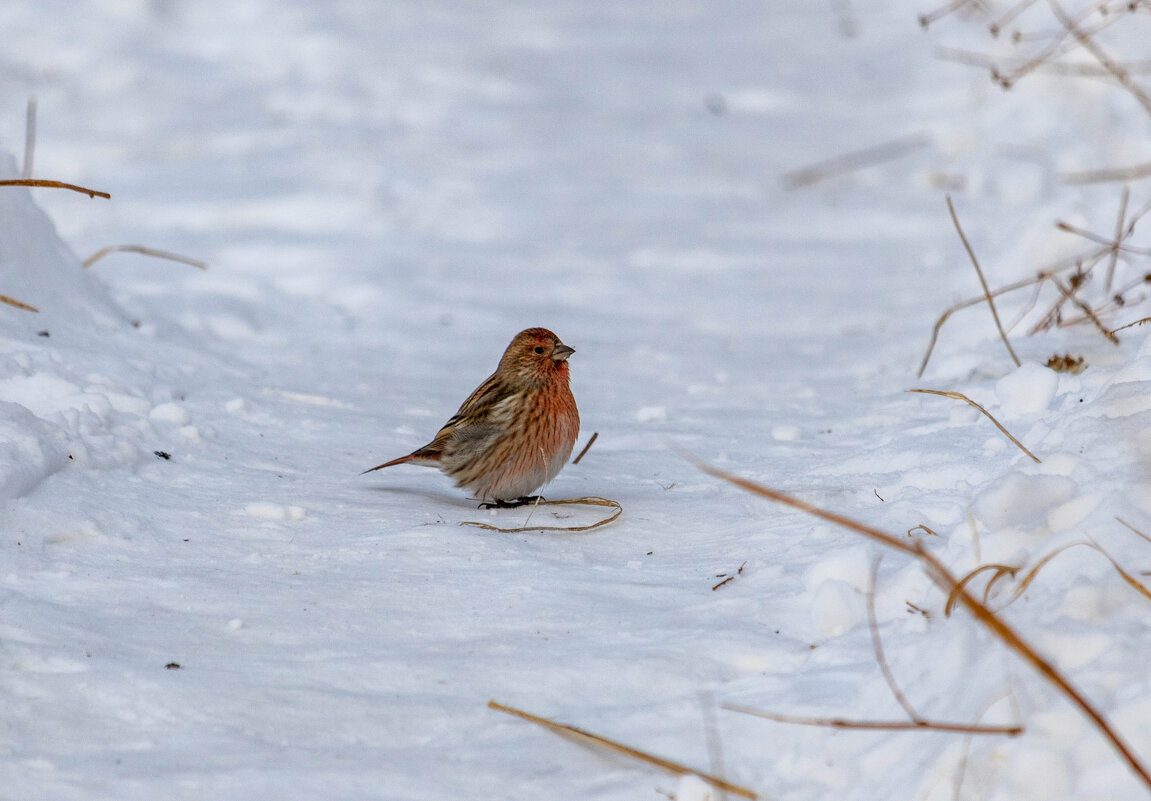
(516, 431)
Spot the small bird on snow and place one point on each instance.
(516, 431)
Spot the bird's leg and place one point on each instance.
(501, 504)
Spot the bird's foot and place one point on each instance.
(500, 504)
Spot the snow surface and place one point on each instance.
(201, 598)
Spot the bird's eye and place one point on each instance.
(539, 348)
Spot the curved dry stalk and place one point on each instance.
(980, 611)
(962, 397)
(589, 500)
(55, 185)
(1000, 570)
(145, 251)
(1025, 582)
(619, 748)
(881, 725)
(877, 646)
(982, 282)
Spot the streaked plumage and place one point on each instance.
(516, 431)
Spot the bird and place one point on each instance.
(515, 432)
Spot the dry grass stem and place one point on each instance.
(1118, 237)
(1132, 528)
(1000, 570)
(962, 397)
(997, 24)
(944, 579)
(982, 281)
(1028, 577)
(1091, 46)
(590, 500)
(857, 160)
(881, 725)
(1069, 295)
(586, 448)
(1109, 175)
(54, 185)
(1113, 246)
(877, 645)
(1073, 69)
(18, 304)
(145, 251)
(945, 10)
(1060, 266)
(619, 748)
(29, 138)
(1131, 325)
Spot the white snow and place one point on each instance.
(202, 598)
(1026, 391)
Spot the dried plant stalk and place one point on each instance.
(586, 448)
(589, 500)
(982, 282)
(1000, 570)
(1108, 63)
(17, 303)
(849, 162)
(1087, 310)
(626, 750)
(145, 251)
(54, 185)
(962, 397)
(945, 580)
(881, 725)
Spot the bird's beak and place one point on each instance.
(561, 352)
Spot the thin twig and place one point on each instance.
(54, 185)
(1118, 238)
(1123, 522)
(18, 304)
(997, 25)
(943, 577)
(711, 732)
(857, 160)
(877, 644)
(882, 725)
(1131, 325)
(1069, 295)
(1068, 69)
(1113, 245)
(619, 748)
(962, 397)
(1109, 174)
(982, 281)
(1092, 47)
(145, 251)
(1057, 267)
(586, 448)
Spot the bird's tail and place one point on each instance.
(423, 456)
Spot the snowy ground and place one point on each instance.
(385, 194)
